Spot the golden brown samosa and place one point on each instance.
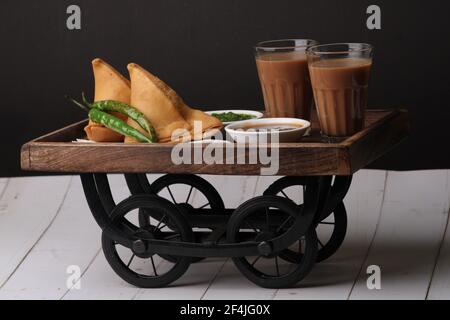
(157, 101)
(109, 85)
(163, 107)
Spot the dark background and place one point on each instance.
(203, 49)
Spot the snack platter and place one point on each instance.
(56, 152)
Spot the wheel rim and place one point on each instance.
(193, 192)
(330, 231)
(259, 220)
(186, 192)
(147, 270)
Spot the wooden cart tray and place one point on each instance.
(55, 152)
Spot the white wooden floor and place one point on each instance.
(397, 220)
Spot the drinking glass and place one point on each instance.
(339, 78)
(283, 73)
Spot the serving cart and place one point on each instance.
(271, 238)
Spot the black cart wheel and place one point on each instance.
(264, 218)
(331, 230)
(145, 270)
(186, 186)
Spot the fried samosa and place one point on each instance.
(109, 85)
(164, 108)
(157, 102)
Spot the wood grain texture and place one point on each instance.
(368, 145)
(407, 245)
(54, 152)
(413, 220)
(72, 239)
(439, 288)
(440, 284)
(27, 208)
(333, 278)
(3, 185)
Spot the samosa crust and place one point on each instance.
(163, 107)
(109, 85)
(157, 102)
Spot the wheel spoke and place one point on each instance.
(131, 259)
(283, 224)
(189, 194)
(256, 260)
(153, 265)
(329, 223)
(285, 195)
(173, 236)
(320, 243)
(251, 226)
(171, 195)
(207, 204)
(160, 222)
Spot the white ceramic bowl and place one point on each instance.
(237, 132)
(256, 114)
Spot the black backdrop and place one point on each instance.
(202, 48)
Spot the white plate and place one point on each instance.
(256, 114)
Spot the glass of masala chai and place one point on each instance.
(283, 72)
(339, 78)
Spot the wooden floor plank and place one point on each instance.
(231, 285)
(333, 278)
(413, 220)
(439, 288)
(191, 285)
(72, 239)
(101, 283)
(407, 244)
(27, 208)
(3, 184)
(92, 286)
(263, 183)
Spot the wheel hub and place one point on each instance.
(264, 246)
(139, 246)
(186, 208)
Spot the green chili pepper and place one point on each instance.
(126, 109)
(117, 125)
(116, 106)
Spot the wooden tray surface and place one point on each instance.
(55, 152)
